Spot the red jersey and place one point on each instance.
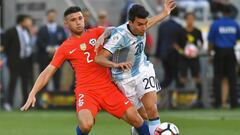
(80, 53)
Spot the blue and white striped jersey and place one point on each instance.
(126, 47)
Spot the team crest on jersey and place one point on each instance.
(83, 46)
(115, 38)
(92, 42)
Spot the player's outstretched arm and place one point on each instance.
(102, 58)
(41, 81)
(106, 34)
(169, 5)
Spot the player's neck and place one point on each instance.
(77, 35)
(129, 28)
(190, 28)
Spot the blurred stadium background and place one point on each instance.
(55, 113)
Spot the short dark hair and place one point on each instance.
(22, 17)
(51, 11)
(137, 11)
(226, 9)
(71, 10)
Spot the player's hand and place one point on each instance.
(99, 42)
(178, 49)
(124, 65)
(30, 102)
(169, 5)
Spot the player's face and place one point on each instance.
(138, 26)
(75, 23)
(51, 17)
(27, 23)
(190, 20)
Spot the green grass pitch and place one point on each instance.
(189, 122)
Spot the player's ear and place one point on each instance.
(65, 23)
(130, 22)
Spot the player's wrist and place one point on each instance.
(165, 12)
(114, 65)
(32, 93)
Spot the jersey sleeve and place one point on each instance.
(115, 42)
(238, 32)
(212, 33)
(99, 31)
(58, 58)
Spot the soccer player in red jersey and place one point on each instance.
(94, 89)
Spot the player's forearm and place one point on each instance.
(103, 61)
(42, 80)
(156, 19)
(169, 5)
(210, 48)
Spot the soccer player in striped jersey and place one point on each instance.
(126, 44)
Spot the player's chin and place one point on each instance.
(141, 33)
(79, 31)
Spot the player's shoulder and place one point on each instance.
(117, 36)
(119, 32)
(66, 44)
(91, 30)
(122, 29)
(219, 22)
(196, 30)
(69, 40)
(96, 29)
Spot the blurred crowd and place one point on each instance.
(178, 49)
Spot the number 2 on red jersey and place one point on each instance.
(88, 57)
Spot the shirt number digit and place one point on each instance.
(80, 100)
(139, 48)
(149, 82)
(88, 57)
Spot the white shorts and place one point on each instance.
(135, 87)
